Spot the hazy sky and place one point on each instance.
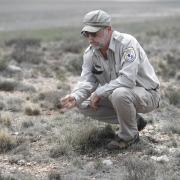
(30, 14)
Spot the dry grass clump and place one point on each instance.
(60, 150)
(5, 119)
(25, 87)
(29, 56)
(88, 138)
(27, 124)
(6, 142)
(61, 74)
(84, 139)
(173, 94)
(26, 50)
(172, 126)
(73, 63)
(50, 99)
(11, 85)
(20, 42)
(54, 175)
(6, 177)
(14, 104)
(73, 46)
(3, 62)
(32, 109)
(139, 169)
(168, 65)
(8, 84)
(178, 76)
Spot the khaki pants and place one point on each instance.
(122, 106)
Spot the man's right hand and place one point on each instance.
(68, 101)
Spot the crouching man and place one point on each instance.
(117, 80)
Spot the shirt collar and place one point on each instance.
(112, 42)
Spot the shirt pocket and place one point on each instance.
(99, 73)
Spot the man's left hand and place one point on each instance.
(94, 101)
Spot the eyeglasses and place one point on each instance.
(87, 34)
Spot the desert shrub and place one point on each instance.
(6, 142)
(11, 85)
(78, 162)
(178, 76)
(89, 138)
(61, 74)
(60, 150)
(14, 104)
(151, 151)
(173, 94)
(25, 50)
(4, 60)
(32, 109)
(26, 124)
(2, 105)
(84, 139)
(8, 84)
(72, 46)
(157, 32)
(54, 175)
(23, 43)
(63, 85)
(50, 99)
(139, 169)
(5, 119)
(25, 87)
(2, 177)
(29, 56)
(171, 126)
(73, 63)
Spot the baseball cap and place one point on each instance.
(95, 21)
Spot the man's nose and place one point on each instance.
(90, 38)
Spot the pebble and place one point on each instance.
(107, 162)
(163, 158)
(21, 162)
(90, 165)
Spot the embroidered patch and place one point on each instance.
(129, 55)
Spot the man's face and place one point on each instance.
(99, 39)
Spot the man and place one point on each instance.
(118, 78)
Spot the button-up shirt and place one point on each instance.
(126, 66)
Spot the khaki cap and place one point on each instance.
(95, 21)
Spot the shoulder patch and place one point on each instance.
(129, 55)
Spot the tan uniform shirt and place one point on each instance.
(126, 66)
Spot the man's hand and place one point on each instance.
(94, 101)
(68, 101)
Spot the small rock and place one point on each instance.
(163, 158)
(21, 162)
(14, 69)
(90, 165)
(173, 150)
(107, 162)
(15, 133)
(29, 164)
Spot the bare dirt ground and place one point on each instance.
(41, 141)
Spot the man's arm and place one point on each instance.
(84, 88)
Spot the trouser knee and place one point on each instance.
(120, 96)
